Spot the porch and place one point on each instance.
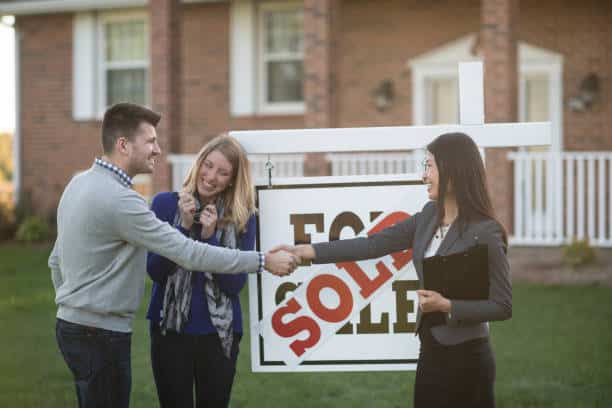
(558, 196)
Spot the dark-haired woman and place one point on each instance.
(456, 364)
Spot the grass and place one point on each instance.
(555, 352)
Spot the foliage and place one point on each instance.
(24, 207)
(578, 253)
(7, 222)
(6, 157)
(33, 229)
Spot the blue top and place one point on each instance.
(165, 206)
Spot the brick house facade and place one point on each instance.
(350, 46)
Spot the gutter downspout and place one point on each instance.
(17, 133)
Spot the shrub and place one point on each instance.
(33, 229)
(7, 222)
(24, 207)
(578, 253)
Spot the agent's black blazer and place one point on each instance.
(468, 318)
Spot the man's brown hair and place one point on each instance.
(122, 120)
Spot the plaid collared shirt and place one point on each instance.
(123, 177)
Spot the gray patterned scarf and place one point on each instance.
(177, 297)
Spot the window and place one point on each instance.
(435, 90)
(442, 97)
(110, 61)
(124, 59)
(266, 58)
(534, 105)
(281, 57)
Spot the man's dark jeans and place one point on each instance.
(100, 363)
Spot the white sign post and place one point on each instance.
(299, 332)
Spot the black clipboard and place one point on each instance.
(461, 275)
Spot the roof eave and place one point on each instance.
(66, 6)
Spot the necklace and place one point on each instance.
(442, 230)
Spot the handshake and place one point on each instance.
(284, 259)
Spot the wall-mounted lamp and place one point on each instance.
(587, 94)
(383, 95)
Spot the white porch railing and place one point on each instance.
(345, 164)
(562, 196)
(285, 165)
(558, 197)
(292, 165)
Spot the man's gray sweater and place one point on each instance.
(104, 230)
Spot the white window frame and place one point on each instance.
(263, 106)
(103, 66)
(442, 63)
(554, 73)
(438, 75)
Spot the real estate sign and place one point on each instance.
(349, 316)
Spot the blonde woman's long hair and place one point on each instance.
(239, 196)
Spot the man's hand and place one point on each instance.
(281, 263)
(305, 251)
(187, 208)
(430, 301)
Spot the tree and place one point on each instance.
(6, 157)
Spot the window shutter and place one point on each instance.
(84, 66)
(242, 58)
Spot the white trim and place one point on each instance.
(57, 6)
(364, 178)
(242, 58)
(263, 106)
(471, 93)
(553, 70)
(62, 6)
(103, 66)
(17, 133)
(442, 62)
(388, 138)
(421, 114)
(84, 66)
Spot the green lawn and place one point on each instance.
(555, 352)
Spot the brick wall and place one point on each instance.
(499, 41)
(320, 44)
(374, 41)
(165, 28)
(53, 146)
(205, 80)
(582, 33)
(377, 38)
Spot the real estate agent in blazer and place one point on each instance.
(456, 365)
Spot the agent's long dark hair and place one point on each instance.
(459, 162)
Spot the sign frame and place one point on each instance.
(259, 361)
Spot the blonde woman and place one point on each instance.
(196, 321)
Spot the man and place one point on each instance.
(98, 261)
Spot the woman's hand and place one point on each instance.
(208, 219)
(430, 301)
(281, 263)
(304, 251)
(187, 208)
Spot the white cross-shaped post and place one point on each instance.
(471, 113)
(471, 107)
